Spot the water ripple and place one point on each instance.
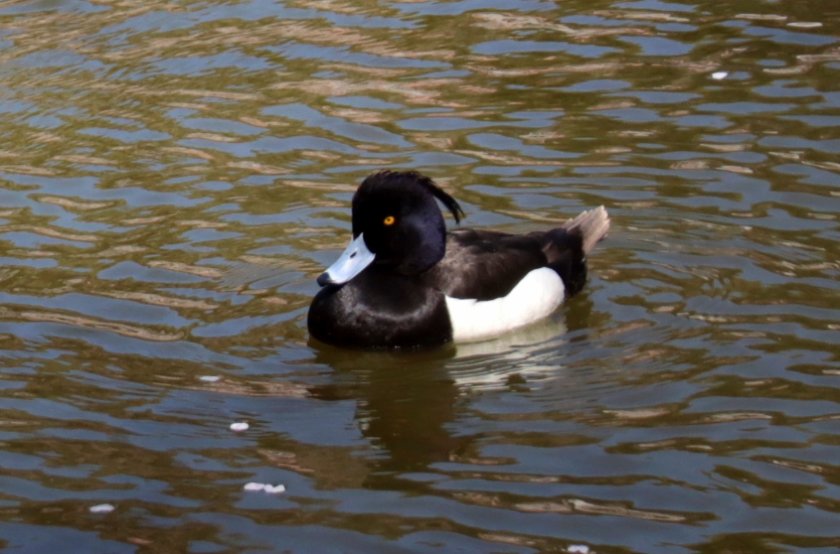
(174, 177)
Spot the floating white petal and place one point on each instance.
(239, 426)
(101, 509)
(265, 487)
(720, 75)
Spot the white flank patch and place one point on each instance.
(536, 296)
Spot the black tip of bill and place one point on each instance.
(324, 279)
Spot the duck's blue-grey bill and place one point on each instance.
(352, 261)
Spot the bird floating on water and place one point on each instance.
(404, 282)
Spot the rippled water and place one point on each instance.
(173, 177)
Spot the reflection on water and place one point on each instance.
(173, 177)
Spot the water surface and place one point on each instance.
(174, 175)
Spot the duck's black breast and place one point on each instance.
(380, 309)
(484, 265)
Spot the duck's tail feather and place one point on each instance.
(567, 247)
(592, 225)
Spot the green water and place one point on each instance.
(175, 175)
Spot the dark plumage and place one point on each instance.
(405, 282)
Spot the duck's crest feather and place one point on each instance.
(427, 183)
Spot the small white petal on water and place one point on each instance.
(239, 426)
(720, 75)
(264, 487)
(275, 489)
(101, 509)
(210, 378)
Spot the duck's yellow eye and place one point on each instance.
(389, 220)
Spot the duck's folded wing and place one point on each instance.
(484, 265)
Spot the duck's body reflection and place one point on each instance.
(407, 403)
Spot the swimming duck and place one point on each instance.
(404, 282)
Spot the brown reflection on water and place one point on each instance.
(174, 176)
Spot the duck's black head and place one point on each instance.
(400, 220)
(396, 225)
